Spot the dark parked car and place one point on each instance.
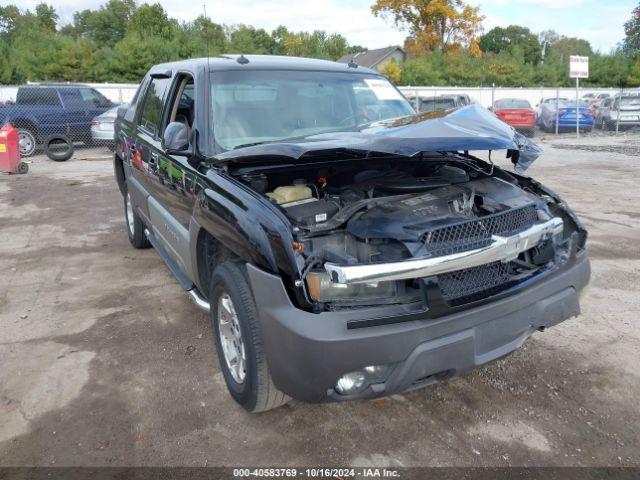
(41, 111)
(340, 256)
(517, 113)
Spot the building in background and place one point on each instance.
(377, 58)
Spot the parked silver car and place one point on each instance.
(102, 130)
(621, 109)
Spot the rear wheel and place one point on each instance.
(27, 142)
(238, 338)
(135, 226)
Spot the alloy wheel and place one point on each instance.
(231, 338)
(130, 218)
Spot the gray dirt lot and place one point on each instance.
(105, 361)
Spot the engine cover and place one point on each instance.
(407, 219)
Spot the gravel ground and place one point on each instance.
(105, 361)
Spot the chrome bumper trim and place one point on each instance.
(501, 249)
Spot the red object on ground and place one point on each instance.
(10, 160)
(517, 117)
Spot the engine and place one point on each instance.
(394, 211)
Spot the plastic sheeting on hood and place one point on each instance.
(467, 128)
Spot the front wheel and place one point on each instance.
(238, 338)
(135, 226)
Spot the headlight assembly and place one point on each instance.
(322, 289)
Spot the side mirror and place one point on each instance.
(175, 140)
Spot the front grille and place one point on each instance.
(465, 286)
(476, 233)
(472, 284)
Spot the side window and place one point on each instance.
(71, 97)
(37, 96)
(182, 102)
(151, 114)
(92, 97)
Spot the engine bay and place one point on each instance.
(393, 210)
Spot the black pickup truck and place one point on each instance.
(345, 246)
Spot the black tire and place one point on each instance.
(256, 391)
(58, 148)
(135, 226)
(28, 141)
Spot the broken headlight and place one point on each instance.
(322, 289)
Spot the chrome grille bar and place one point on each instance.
(501, 249)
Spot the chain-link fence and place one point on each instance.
(56, 117)
(552, 109)
(48, 115)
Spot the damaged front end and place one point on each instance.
(401, 214)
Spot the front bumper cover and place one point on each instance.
(308, 352)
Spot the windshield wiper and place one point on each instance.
(252, 144)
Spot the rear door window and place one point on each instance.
(71, 97)
(37, 96)
(151, 113)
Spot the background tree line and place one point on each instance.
(446, 47)
(119, 41)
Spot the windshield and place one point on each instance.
(269, 106)
(512, 103)
(432, 104)
(572, 104)
(628, 101)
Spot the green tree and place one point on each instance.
(632, 31)
(246, 39)
(633, 79)
(499, 40)
(47, 17)
(105, 26)
(151, 20)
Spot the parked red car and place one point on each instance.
(517, 113)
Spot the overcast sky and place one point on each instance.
(601, 23)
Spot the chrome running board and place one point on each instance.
(199, 300)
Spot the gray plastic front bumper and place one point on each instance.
(308, 352)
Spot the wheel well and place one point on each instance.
(26, 124)
(119, 173)
(210, 254)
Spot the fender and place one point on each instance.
(245, 225)
(21, 120)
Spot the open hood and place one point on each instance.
(468, 128)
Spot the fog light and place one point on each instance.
(358, 381)
(354, 382)
(377, 373)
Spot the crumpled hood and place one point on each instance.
(467, 128)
